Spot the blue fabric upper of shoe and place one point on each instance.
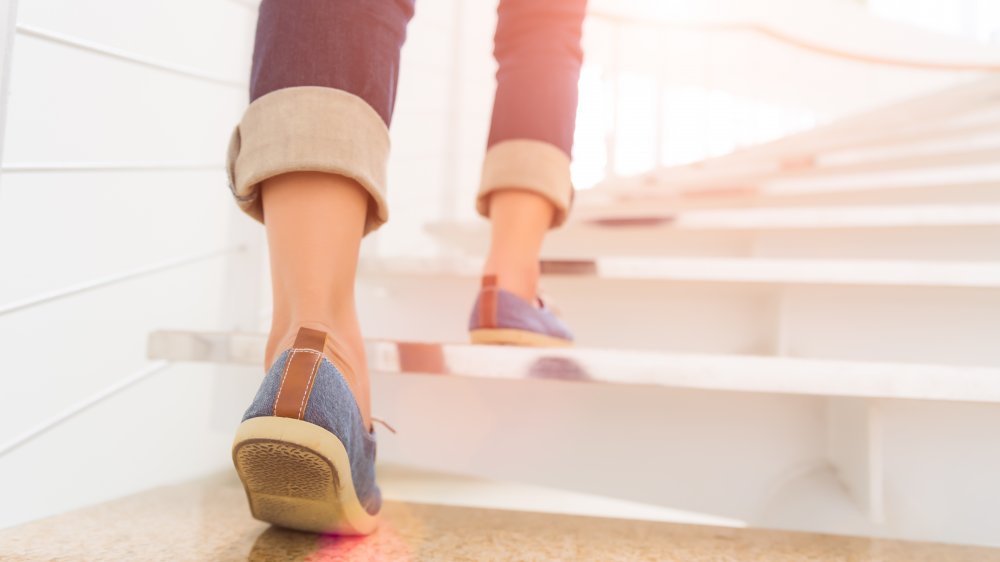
(516, 313)
(332, 407)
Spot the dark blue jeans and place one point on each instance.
(323, 87)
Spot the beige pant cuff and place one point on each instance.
(309, 129)
(527, 164)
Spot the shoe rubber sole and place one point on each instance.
(297, 475)
(511, 336)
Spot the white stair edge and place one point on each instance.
(760, 218)
(734, 373)
(986, 139)
(973, 125)
(723, 270)
(767, 183)
(403, 483)
(842, 162)
(886, 180)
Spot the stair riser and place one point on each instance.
(952, 326)
(983, 139)
(971, 243)
(858, 190)
(761, 458)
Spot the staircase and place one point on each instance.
(801, 336)
(779, 351)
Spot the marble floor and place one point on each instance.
(208, 520)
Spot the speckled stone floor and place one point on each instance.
(208, 520)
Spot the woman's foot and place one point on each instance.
(508, 309)
(500, 316)
(305, 457)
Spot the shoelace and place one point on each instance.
(383, 422)
(545, 302)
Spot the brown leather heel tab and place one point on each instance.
(308, 338)
(300, 373)
(488, 302)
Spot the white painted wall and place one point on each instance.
(70, 107)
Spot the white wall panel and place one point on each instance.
(67, 350)
(157, 432)
(9, 10)
(58, 229)
(68, 105)
(208, 35)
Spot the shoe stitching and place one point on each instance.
(309, 384)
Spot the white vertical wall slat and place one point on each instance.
(9, 8)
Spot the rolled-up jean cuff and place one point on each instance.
(309, 129)
(530, 165)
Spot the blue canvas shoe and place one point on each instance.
(501, 317)
(305, 457)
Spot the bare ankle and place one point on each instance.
(283, 337)
(518, 278)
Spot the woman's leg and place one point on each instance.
(314, 226)
(309, 160)
(526, 188)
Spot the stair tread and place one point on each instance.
(208, 519)
(985, 136)
(759, 218)
(727, 270)
(737, 373)
(729, 184)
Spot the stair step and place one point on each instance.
(404, 483)
(979, 186)
(737, 373)
(208, 519)
(916, 158)
(663, 228)
(945, 177)
(984, 137)
(721, 270)
(805, 218)
(666, 216)
(735, 187)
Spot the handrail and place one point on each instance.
(116, 278)
(126, 56)
(82, 406)
(802, 44)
